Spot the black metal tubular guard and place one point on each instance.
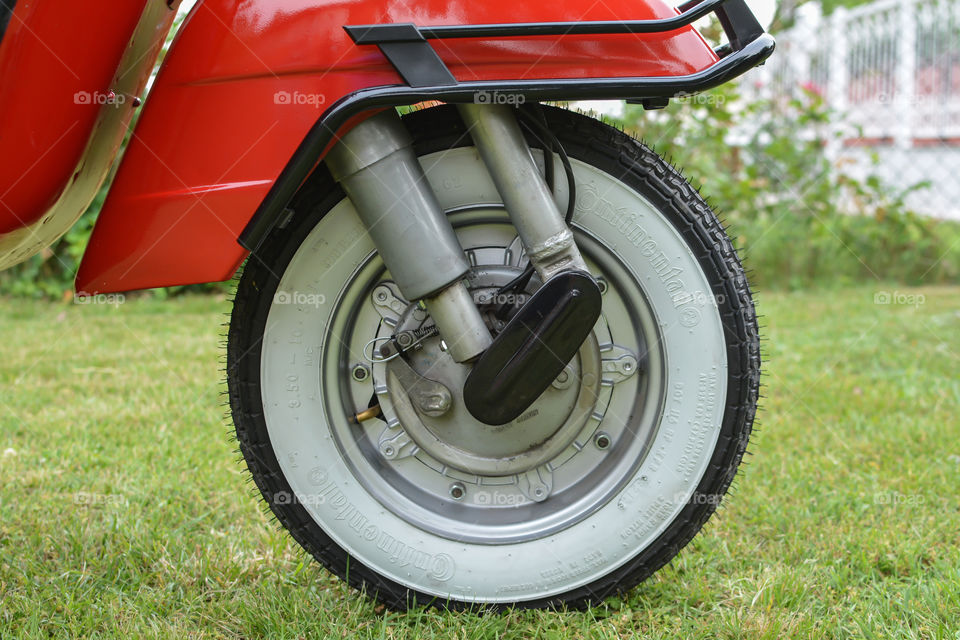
(407, 48)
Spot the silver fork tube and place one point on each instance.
(544, 233)
(377, 168)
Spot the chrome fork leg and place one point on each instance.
(377, 168)
(543, 231)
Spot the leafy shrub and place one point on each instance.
(799, 220)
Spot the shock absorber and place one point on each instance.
(546, 333)
(544, 233)
(377, 168)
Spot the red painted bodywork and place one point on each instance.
(246, 80)
(53, 53)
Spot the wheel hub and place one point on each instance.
(445, 471)
(465, 444)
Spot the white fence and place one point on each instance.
(890, 71)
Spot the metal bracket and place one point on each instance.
(430, 397)
(407, 48)
(408, 51)
(536, 484)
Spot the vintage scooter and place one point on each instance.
(491, 351)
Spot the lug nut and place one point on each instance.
(457, 491)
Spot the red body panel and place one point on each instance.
(47, 68)
(245, 81)
(69, 76)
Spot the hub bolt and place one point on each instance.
(457, 491)
(360, 372)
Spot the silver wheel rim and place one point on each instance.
(444, 475)
(596, 530)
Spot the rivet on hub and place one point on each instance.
(602, 440)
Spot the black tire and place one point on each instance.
(589, 141)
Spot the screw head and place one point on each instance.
(602, 284)
(457, 491)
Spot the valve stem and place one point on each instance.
(363, 416)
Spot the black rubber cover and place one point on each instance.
(6, 10)
(533, 348)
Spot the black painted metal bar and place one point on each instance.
(378, 34)
(339, 113)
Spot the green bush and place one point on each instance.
(799, 220)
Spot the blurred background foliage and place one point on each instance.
(799, 220)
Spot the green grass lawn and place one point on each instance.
(124, 510)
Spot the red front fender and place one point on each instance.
(245, 81)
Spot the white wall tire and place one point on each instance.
(633, 207)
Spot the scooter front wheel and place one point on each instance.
(602, 481)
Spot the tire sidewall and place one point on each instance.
(295, 414)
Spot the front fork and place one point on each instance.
(377, 168)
